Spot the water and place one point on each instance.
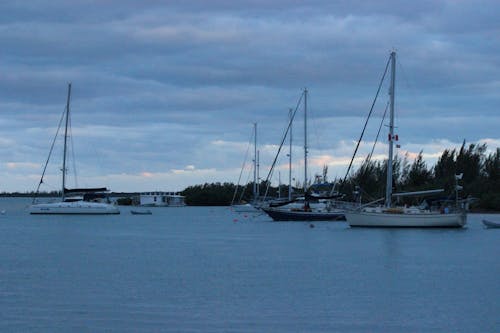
(198, 269)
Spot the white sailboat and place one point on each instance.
(391, 216)
(73, 200)
(249, 207)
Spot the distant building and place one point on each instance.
(161, 199)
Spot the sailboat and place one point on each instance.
(304, 210)
(388, 215)
(73, 201)
(249, 207)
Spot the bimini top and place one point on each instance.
(85, 190)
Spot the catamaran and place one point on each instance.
(73, 201)
(387, 215)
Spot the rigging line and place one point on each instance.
(242, 167)
(368, 195)
(313, 124)
(50, 153)
(73, 152)
(378, 133)
(246, 183)
(268, 184)
(366, 123)
(283, 140)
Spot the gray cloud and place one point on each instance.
(157, 86)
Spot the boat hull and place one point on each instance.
(74, 208)
(141, 212)
(423, 220)
(491, 224)
(292, 215)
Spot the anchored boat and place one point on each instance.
(73, 201)
(388, 215)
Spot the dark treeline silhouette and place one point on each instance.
(480, 180)
(221, 194)
(215, 194)
(31, 194)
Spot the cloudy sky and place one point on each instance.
(165, 93)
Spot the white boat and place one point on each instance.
(381, 217)
(491, 224)
(71, 204)
(390, 216)
(74, 207)
(243, 207)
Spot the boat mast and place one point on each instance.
(305, 140)
(279, 184)
(255, 162)
(388, 190)
(290, 113)
(258, 175)
(65, 142)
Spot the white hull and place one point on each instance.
(244, 208)
(421, 220)
(163, 205)
(74, 207)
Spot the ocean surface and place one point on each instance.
(207, 269)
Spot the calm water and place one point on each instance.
(197, 269)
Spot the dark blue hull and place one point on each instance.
(293, 215)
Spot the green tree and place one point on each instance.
(419, 176)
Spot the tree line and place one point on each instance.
(479, 176)
(480, 180)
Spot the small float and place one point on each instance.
(141, 212)
(491, 224)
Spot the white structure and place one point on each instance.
(161, 199)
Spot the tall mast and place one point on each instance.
(65, 142)
(290, 114)
(258, 175)
(388, 190)
(279, 184)
(255, 162)
(305, 140)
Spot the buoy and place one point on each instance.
(235, 220)
(311, 225)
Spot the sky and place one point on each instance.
(165, 93)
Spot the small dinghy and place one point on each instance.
(141, 212)
(491, 224)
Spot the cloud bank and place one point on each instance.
(165, 93)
